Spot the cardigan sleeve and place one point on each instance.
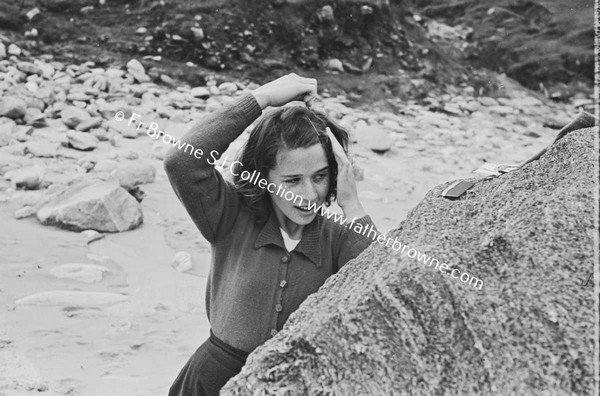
(355, 239)
(211, 202)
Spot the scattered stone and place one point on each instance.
(92, 236)
(88, 124)
(130, 155)
(71, 298)
(78, 96)
(335, 65)
(72, 116)
(532, 134)
(182, 262)
(159, 150)
(29, 177)
(503, 110)
(200, 92)
(6, 133)
(42, 148)
(122, 129)
(87, 273)
(366, 10)
(487, 101)
(91, 204)
(13, 49)
(82, 141)
(24, 212)
(29, 68)
(392, 125)
(452, 109)
(12, 107)
(106, 165)
(136, 69)
(101, 134)
(373, 138)
(325, 13)
(132, 175)
(141, 30)
(167, 80)
(471, 106)
(227, 88)
(35, 118)
(198, 33)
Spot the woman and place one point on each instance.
(269, 250)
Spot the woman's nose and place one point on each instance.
(309, 192)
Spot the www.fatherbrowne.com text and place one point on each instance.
(255, 178)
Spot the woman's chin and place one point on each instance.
(302, 218)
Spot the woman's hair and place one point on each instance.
(290, 128)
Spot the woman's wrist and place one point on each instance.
(354, 210)
(261, 100)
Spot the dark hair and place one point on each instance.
(290, 128)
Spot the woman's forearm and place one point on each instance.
(211, 136)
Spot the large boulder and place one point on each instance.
(390, 324)
(92, 205)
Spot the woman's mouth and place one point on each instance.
(303, 210)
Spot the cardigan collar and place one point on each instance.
(309, 245)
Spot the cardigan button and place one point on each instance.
(273, 332)
(284, 259)
(278, 307)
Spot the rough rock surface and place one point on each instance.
(388, 324)
(95, 205)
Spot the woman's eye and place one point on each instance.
(320, 177)
(292, 181)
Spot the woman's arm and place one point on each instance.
(360, 232)
(211, 202)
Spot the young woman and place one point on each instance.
(269, 250)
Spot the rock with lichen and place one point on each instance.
(387, 323)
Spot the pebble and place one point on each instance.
(24, 212)
(42, 148)
(132, 175)
(34, 117)
(87, 273)
(88, 124)
(29, 68)
(72, 116)
(198, 33)
(200, 92)
(28, 177)
(136, 69)
(82, 141)
(13, 49)
(228, 88)
(182, 262)
(106, 165)
(487, 101)
(335, 65)
(503, 110)
(71, 298)
(373, 138)
(12, 107)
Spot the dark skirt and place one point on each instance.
(209, 368)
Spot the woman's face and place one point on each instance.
(305, 172)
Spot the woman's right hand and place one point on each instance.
(286, 89)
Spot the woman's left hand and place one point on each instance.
(347, 196)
